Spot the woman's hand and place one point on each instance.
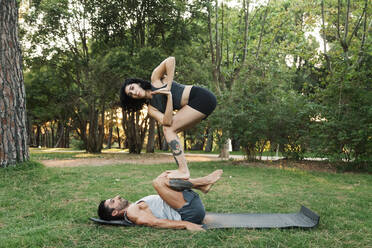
(161, 91)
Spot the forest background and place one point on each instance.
(292, 76)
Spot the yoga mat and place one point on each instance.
(305, 218)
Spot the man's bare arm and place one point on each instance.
(140, 214)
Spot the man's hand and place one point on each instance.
(194, 227)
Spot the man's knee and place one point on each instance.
(180, 184)
(160, 181)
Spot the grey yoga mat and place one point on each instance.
(305, 218)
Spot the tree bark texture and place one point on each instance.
(109, 140)
(135, 128)
(119, 141)
(150, 147)
(209, 145)
(13, 129)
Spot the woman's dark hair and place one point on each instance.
(129, 103)
(105, 213)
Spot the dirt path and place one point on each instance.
(160, 159)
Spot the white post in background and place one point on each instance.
(277, 151)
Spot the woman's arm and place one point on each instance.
(168, 115)
(156, 114)
(166, 118)
(167, 68)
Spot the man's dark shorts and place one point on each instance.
(193, 210)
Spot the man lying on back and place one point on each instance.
(176, 206)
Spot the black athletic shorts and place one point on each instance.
(193, 210)
(202, 100)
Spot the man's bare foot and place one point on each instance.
(205, 189)
(212, 178)
(177, 174)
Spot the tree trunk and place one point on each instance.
(38, 131)
(60, 135)
(151, 137)
(30, 133)
(13, 130)
(67, 137)
(209, 145)
(119, 141)
(135, 128)
(224, 153)
(46, 137)
(109, 138)
(96, 131)
(52, 134)
(111, 129)
(159, 135)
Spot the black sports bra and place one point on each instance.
(159, 101)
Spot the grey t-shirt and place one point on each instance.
(159, 208)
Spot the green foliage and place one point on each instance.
(290, 96)
(256, 112)
(276, 87)
(77, 144)
(345, 96)
(346, 130)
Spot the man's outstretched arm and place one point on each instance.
(140, 214)
(173, 224)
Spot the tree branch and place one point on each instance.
(210, 33)
(338, 19)
(246, 15)
(325, 40)
(361, 50)
(358, 23)
(347, 21)
(262, 30)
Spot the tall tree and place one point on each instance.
(345, 95)
(13, 131)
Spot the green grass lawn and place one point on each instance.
(50, 207)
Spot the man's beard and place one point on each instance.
(124, 204)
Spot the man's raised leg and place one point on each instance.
(175, 198)
(202, 183)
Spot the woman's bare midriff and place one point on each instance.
(186, 95)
